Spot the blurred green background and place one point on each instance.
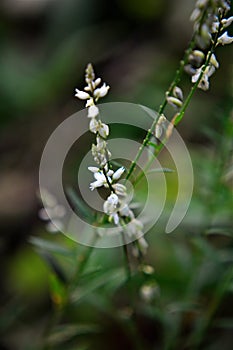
(136, 47)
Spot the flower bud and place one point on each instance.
(118, 173)
(103, 130)
(177, 92)
(93, 111)
(175, 102)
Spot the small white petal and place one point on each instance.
(97, 81)
(116, 218)
(96, 184)
(118, 173)
(225, 39)
(82, 95)
(90, 102)
(93, 169)
(214, 61)
(99, 176)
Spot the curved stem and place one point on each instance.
(180, 115)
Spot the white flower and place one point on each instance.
(225, 39)
(93, 125)
(119, 189)
(197, 56)
(148, 292)
(100, 181)
(82, 95)
(93, 111)
(226, 22)
(204, 82)
(100, 178)
(118, 173)
(103, 130)
(214, 26)
(214, 61)
(102, 91)
(110, 207)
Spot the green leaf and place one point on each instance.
(220, 231)
(50, 246)
(160, 170)
(116, 275)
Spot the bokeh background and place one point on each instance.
(136, 47)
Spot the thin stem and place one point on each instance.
(175, 81)
(181, 113)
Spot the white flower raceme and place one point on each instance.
(116, 205)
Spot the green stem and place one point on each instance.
(179, 116)
(175, 81)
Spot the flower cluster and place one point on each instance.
(209, 25)
(116, 206)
